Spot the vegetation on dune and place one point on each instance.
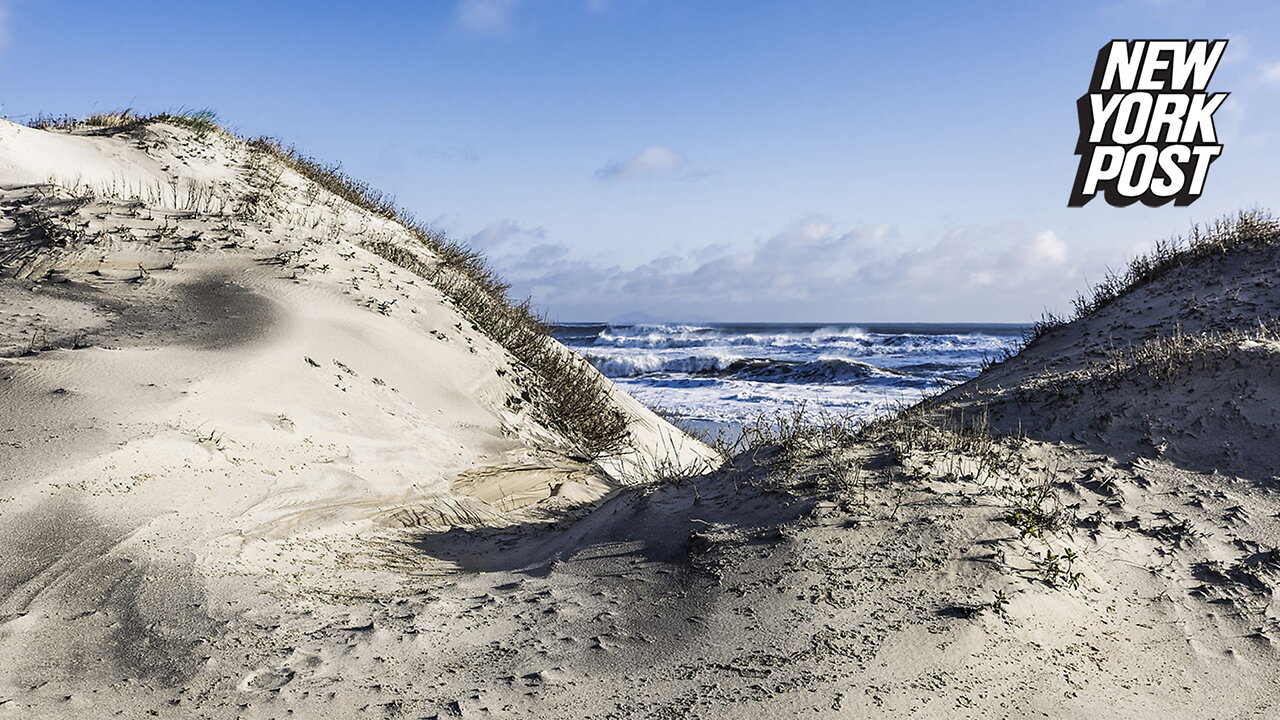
(1249, 228)
(1165, 358)
(1246, 229)
(570, 395)
(202, 121)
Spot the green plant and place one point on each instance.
(1000, 603)
(1057, 570)
(202, 121)
(1036, 512)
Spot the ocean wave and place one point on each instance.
(733, 372)
(635, 364)
(823, 370)
(733, 401)
(658, 336)
(827, 371)
(849, 339)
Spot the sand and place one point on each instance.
(249, 469)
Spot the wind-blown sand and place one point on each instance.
(250, 469)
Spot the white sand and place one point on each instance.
(237, 481)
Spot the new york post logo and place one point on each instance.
(1146, 124)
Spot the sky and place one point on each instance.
(685, 160)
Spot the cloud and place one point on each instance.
(1271, 73)
(1047, 249)
(810, 270)
(502, 235)
(487, 17)
(656, 160)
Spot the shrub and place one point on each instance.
(54, 122)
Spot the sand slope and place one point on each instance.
(210, 407)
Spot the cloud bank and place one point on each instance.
(808, 271)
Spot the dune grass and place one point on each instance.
(202, 121)
(1168, 357)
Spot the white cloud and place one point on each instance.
(1047, 249)
(1271, 73)
(487, 17)
(810, 270)
(656, 160)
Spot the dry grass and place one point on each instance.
(925, 426)
(1165, 358)
(801, 448)
(1246, 229)
(47, 220)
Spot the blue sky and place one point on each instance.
(723, 160)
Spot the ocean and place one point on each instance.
(725, 374)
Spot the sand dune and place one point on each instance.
(196, 399)
(253, 469)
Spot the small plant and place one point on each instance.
(202, 121)
(1059, 570)
(1000, 603)
(799, 441)
(38, 341)
(1036, 512)
(54, 122)
(213, 440)
(112, 119)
